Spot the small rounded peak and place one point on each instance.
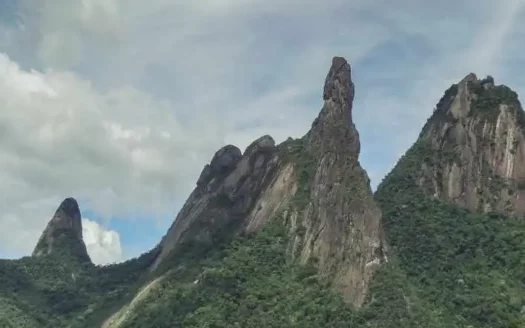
(222, 162)
(228, 149)
(70, 207)
(340, 70)
(225, 158)
(338, 61)
(263, 143)
(69, 202)
(488, 79)
(471, 77)
(487, 82)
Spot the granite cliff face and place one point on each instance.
(476, 147)
(338, 224)
(231, 193)
(63, 234)
(315, 184)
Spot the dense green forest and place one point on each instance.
(449, 268)
(56, 291)
(470, 267)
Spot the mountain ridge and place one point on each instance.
(290, 235)
(267, 180)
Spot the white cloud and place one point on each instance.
(112, 151)
(59, 137)
(103, 245)
(60, 134)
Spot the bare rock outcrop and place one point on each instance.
(226, 193)
(476, 138)
(314, 184)
(63, 234)
(341, 224)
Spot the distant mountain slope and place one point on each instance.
(464, 261)
(475, 148)
(59, 286)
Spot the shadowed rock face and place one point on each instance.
(63, 234)
(477, 145)
(226, 193)
(333, 220)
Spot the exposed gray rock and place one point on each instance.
(63, 234)
(224, 160)
(333, 130)
(226, 193)
(264, 143)
(487, 82)
(477, 139)
(341, 221)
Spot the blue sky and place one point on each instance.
(121, 103)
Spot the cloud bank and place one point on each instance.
(103, 245)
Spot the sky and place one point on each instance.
(121, 103)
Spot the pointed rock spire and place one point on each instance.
(63, 234)
(333, 130)
(315, 185)
(340, 195)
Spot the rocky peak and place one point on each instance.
(224, 197)
(338, 83)
(340, 226)
(222, 162)
(476, 138)
(315, 185)
(63, 233)
(333, 130)
(487, 82)
(264, 143)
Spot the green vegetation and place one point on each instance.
(58, 291)
(250, 283)
(448, 268)
(470, 267)
(293, 150)
(487, 101)
(243, 281)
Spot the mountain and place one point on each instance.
(293, 224)
(63, 234)
(315, 185)
(451, 210)
(290, 235)
(475, 142)
(58, 286)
